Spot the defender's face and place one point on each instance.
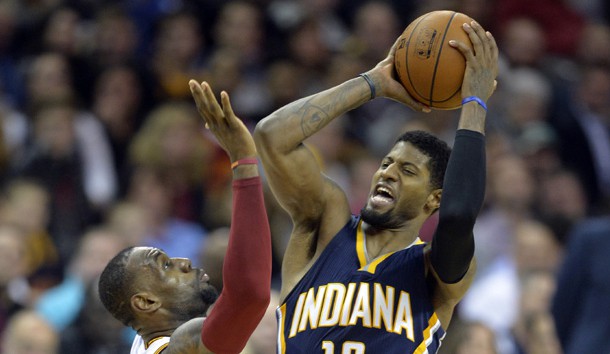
(183, 290)
(399, 188)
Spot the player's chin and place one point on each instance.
(208, 293)
(386, 218)
(373, 215)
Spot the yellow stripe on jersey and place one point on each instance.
(150, 342)
(360, 247)
(280, 336)
(433, 325)
(162, 348)
(371, 267)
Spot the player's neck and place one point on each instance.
(148, 333)
(382, 241)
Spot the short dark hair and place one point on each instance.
(436, 149)
(116, 287)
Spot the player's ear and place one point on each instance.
(145, 302)
(434, 201)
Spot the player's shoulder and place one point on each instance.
(187, 338)
(154, 346)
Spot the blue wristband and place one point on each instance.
(476, 99)
(368, 80)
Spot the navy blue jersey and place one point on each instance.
(344, 305)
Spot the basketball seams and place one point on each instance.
(432, 75)
(438, 58)
(407, 49)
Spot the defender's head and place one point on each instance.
(143, 286)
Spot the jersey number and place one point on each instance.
(348, 347)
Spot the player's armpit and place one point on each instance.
(446, 296)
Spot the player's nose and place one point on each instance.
(184, 264)
(389, 172)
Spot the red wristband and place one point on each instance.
(245, 161)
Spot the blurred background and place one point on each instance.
(101, 148)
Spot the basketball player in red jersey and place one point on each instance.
(366, 283)
(165, 300)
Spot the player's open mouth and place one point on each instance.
(382, 196)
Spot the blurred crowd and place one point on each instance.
(101, 148)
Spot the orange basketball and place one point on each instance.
(428, 67)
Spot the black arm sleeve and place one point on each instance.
(463, 194)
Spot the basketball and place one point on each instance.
(427, 66)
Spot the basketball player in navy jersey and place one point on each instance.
(165, 300)
(366, 283)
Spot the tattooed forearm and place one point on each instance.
(313, 119)
(316, 112)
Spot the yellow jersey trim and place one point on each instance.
(433, 325)
(360, 246)
(361, 251)
(371, 267)
(281, 340)
(162, 348)
(150, 342)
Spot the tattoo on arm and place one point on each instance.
(313, 119)
(318, 110)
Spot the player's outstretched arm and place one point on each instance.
(280, 136)
(452, 249)
(247, 265)
(290, 167)
(317, 206)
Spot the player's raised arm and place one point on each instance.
(317, 206)
(280, 136)
(247, 265)
(164, 299)
(291, 169)
(452, 249)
